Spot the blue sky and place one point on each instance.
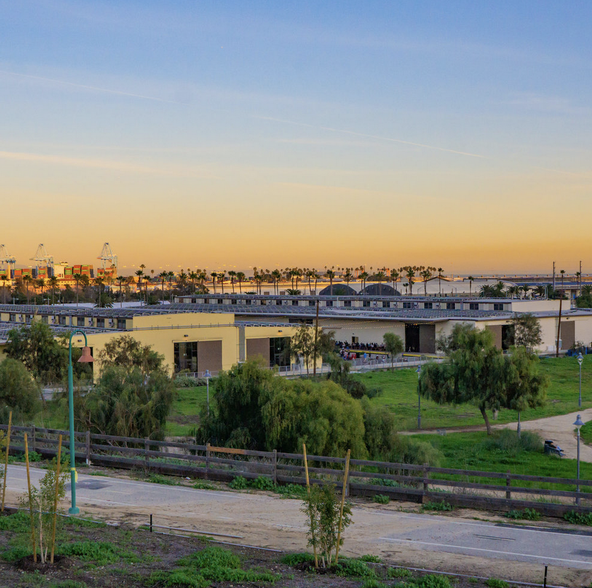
(453, 134)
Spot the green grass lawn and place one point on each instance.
(474, 451)
(185, 411)
(399, 394)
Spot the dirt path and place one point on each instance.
(558, 428)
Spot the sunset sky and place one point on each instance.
(228, 134)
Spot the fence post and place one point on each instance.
(207, 460)
(33, 438)
(88, 448)
(426, 482)
(508, 484)
(146, 457)
(275, 466)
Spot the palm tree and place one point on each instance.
(331, 275)
(77, 278)
(221, 278)
(27, 279)
(258, 279)
(121, 280)
(139, 273)
(98, 284)
(40, 283)
(470, 278)
(232, 275)
(276, 276)
(348, 276)
(394, 277)
(440, 270)
(171, 276)
(410, 274)
(363, 277)
(214, 278)
(53, 284)
(240, 276)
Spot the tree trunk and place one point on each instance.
(486, 419)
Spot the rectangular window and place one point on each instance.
(407, 304)
(311, 303)
(347, 304)
(220, 301)
(185, 356)
(249, 302)
(474, 306)
(100, 323)
(329, 303)
(428, 305)
(44, 319)
(498, 306)
(233, 301)
(279, 351)
(80, 321)
(366, 303)
(121, 324)
(13, 318)
(294, 302)
(450, 305)
(62, 320)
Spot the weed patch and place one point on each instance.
(398, 573)
(578, 518)
(381, 499)
(18, 522)
(528, 514)
(100, 552)
(495, 583)
(370, 558)
(239, 483)
(158, 479)
(354, 568)
(437, 506)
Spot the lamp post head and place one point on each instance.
(86, 357)
(580, 358)
(208, 374)
(578, 422)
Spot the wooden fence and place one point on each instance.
(411, 482)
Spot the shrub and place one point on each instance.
(434, 581)
(495, 583)
(158, 479)
(408, 450)
(294, 559)
(239, 483)
(19, 522)
(398, 573)
(370, 558)
(381, 498)
(322, 509)
(578, 518)
(373, 583)
(185, 382)
(262, 483)
(99, 552)
(354, 568)
(507, 442)
(291, 491)
(529, 514)
(437, 506)
(204, 486)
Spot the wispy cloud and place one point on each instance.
(367, 136)
(104, 164)
(544, 103)
(86, 87)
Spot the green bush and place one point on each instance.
(291, 490)
(373, 583)
(434, 581)
(370, 558)
(398, 573)
(262, 483)
(578, 518)
(294, 559)
(507, 442)
(99, 552)
(15, 553)
(495, 583)
(354, 568)
(19, 522)
(199, 485)
(178, 579)
(381, 498)
(385, 482)
(408, 450)
(437, 506)
(239, 483)
(185, 382)
(158, 479)
(528, 514)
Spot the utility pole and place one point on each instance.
(314, 364)
(553, 276)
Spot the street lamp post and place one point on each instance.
(85, 358)
(578, 424)
(418, 398)
(580, 362)
(208, 375)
